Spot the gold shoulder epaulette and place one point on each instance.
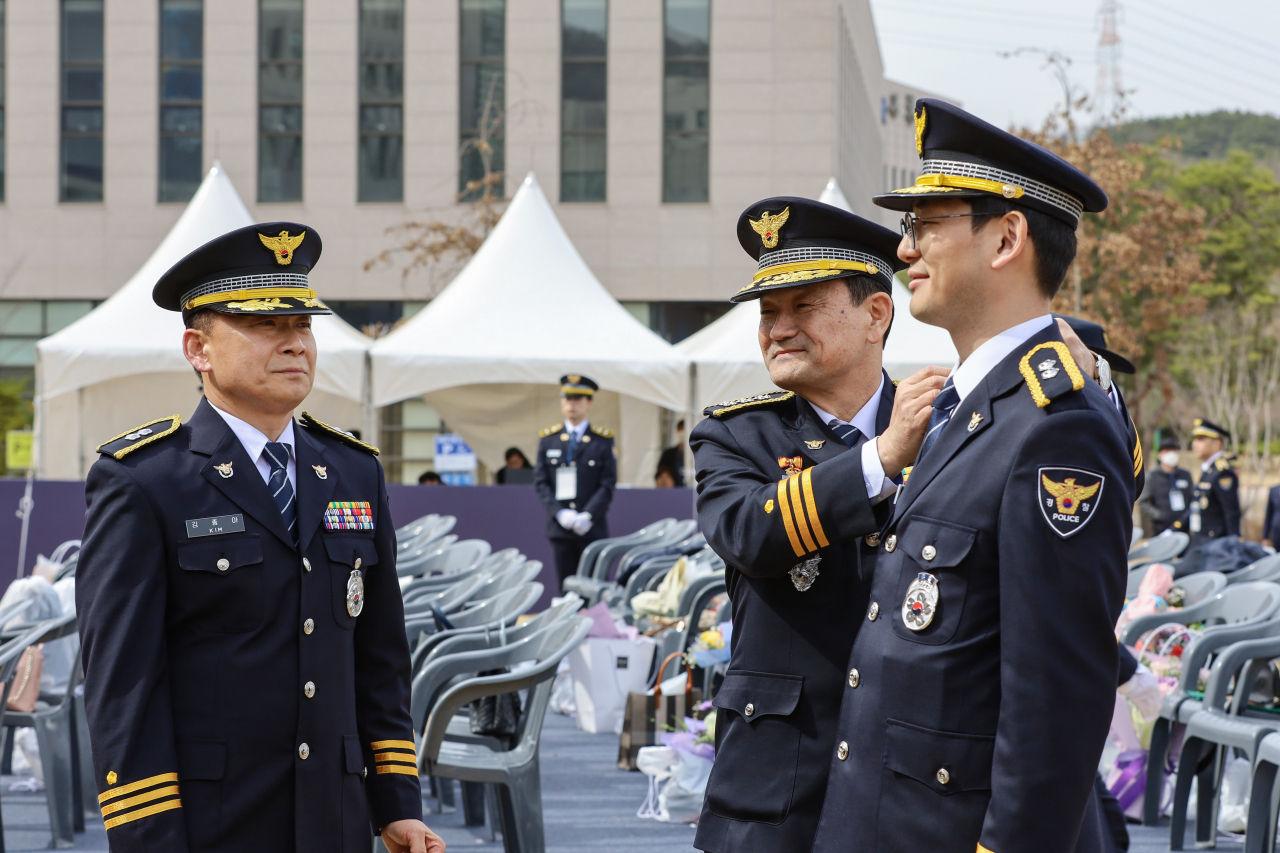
(603, 432)
(720, 410)
(345, 437)
(895, 382)
(1050, 372)
(127, 442)
(1222, 464)
(551, 430)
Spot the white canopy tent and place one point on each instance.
(122, 364)
(489, 351)
(726, 354)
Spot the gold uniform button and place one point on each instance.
(873, 539)
(842, 751)
(943, 776)
(309, 689)
(303, 751)
(224, 564)
(854, 678)
(891, 543)
(874, 613)
(308, 626)
(306, 564)
(929, 553)
(749, 710)
(357, 565)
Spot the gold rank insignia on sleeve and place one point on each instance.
(799, 513)
(140, 799)
(395, 756)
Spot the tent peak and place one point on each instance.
(834, 196)
(530, 180)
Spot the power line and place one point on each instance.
(1235, 40)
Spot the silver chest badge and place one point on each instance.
(922, 602)
(355, 594)
(804, 574)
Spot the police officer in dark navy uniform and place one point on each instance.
(792, 489)
(1215, 501)
(982, 680)
(575, 475)
(246, 666)
(1167, 500)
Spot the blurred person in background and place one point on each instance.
(1168, 494)
(664, 479)
(430, 478)
(1271, 521)
(1215, 507)
(516, 460)
(672, 459)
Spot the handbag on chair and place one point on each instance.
(649, 714)
(25, 689)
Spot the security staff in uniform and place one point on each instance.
(1167, 500)
(1215, 501)
(792, 489)
(575, 475)
(982, 681)
(246, 666)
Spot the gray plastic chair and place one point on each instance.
(524, 572)
(452, 559)
(1264, 799)
(1159, 548)
(431, 585)
(491, 638)
(501, 610)
(1242, 603)
(1197, 587)
(1266, 569)
(449, 600)
(425, 552)
(605, 551)
(423, 531)
(593, 588)
(416, 526)
(515, 771)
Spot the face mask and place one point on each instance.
(1169, 458)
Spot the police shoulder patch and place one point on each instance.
(721, 410)
(603, 432)
(551, 430)
(333, 432)
(1068, 497)
(127, 442)
(1050, 372)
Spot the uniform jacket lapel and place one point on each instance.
(211, 437)
(314, 493)
(885, 413)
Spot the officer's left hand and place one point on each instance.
(582, 523)
(411, 836)
(1083, 357)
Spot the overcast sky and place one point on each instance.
(1181, 56)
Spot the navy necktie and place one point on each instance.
(943, 407)
(277, 456)
(848, 433)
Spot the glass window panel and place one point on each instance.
(483, 30)
(82, 120)
(380, 160)
(686, 101)
(583, 83)
(280, 82)
(180, 158)
(182, 29)
(17, 352)
(381, 81)
(59, 314)
(181, 83)
(280, 31)
(688, 26)
(582, 168)
(685, 164)
(381, 116)
(381, 29)
(585, 23)
(482, 86)
(82, 84)
(81, 30)
(180, 119)
(280, 172)
(21, 318)
(481, 94)
(282, 119)
(381, 119)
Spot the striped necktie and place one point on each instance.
(277, 455)
(848, 433)
(944, 405)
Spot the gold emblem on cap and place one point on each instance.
(920, 119)
(257, 305)
(283, 246)
(768, 226)
(573, 379)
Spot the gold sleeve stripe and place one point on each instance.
(394, 744)
(811, 507)
(141, 813)
(797, 503)
(397, 768)
(122, 805)
(137, 786)
(402, 757)
(982, 849)
(1137, 449)
(785, 506)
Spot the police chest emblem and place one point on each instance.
(355, 594)
(804, 574)
(815, 445)
(224, 469)
(1068, 498)
(921, 603)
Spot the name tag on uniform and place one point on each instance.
(1177, 502)
(567, 483)
(553, 454)
(214, 526)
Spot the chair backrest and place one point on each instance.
(500, 560)
(416, 526)
(1242, 603)
(61, 553)
(501, 582)
(612, 549)
(504, 607)
(1201, 586)
(420, 601)
(1215, 640)
(427, 533)
(421, 554)
(450, 557)
(1266, 569)
(1164, 546)
(500, 635)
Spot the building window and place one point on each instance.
(279, 100)
(583, 92)
(25, 321)
(686, 101)
(181, 98)
(381, 100)
(482, 100)
(408, 440)
(81, 154)
(1, 100)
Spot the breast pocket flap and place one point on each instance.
(220, 556)
(346, 549)
(950, 543)
(201, 759)
(759, 693)
(947, 762)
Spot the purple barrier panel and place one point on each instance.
(512, 516)
(58, 516)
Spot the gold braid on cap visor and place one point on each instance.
(302, 293)
(944, 175)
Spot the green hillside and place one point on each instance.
(1209, 136)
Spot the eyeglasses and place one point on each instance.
(908, 225)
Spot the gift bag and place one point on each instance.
(605, 671)
(651, 713)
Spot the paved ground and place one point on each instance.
(589, 805)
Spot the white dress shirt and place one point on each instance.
(878, 485)
(254, 441)
(576, 432)
(1208, 463)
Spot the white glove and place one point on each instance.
(566, 518)
(1143, 690)
(582, 523)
